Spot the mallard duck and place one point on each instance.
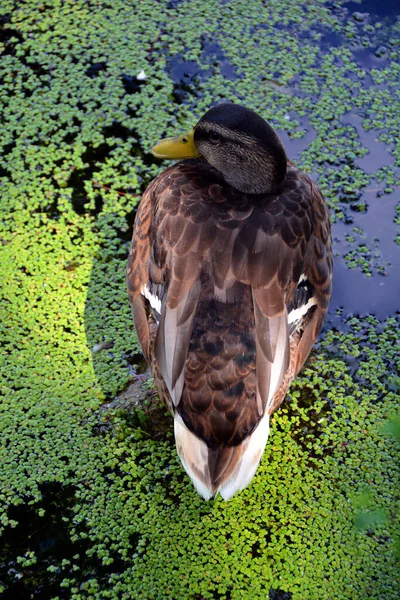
(229, 277)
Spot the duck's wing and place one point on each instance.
(137, 273)
(201, 247)
(171, 236)
(314, 290)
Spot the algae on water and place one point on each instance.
(94, 502)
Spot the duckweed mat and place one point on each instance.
(94, 502)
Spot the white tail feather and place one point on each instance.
(194, 453)
(253, 448)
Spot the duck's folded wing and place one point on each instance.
(173, 232)
(268, 254)
(272, 344)
(318, 264)
(137, 273)
(173, 339)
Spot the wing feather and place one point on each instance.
(318, 268)
(137, 275)
(226, 267)
(173, 339)
(272, 335)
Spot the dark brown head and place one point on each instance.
(238, 143)
(243, 147)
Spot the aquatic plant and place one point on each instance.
(94, 502)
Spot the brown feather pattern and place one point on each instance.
(228, 265)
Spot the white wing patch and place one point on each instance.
(302, 302)
(298, 313)
(155, 302)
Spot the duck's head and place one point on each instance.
(238, 143)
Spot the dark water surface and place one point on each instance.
(354, 291)
(377, 8)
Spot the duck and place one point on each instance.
(229, 277)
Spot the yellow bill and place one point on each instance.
(176, 148)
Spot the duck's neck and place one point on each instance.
(263, 174)
(257, 166)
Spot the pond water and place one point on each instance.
(355, 292)
(364, 230)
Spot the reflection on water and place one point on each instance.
(358, 294)
(377, 8)
(353, 290)
(378, 153)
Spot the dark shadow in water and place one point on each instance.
(279, 595)
(188, 74)
(49, 538)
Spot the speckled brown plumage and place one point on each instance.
(226, 267)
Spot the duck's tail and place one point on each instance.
(226, 469)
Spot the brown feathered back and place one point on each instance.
(223, 268)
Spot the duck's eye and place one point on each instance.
(213, 136)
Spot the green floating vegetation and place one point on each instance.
(93, 500)
(370, 260)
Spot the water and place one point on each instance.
(380, 9)
(353, 292)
